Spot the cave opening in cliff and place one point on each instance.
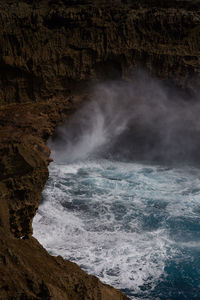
(122, 199)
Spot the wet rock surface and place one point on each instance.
(27, 271)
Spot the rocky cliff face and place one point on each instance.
(27, 271)
(49, 49)
(48, 45)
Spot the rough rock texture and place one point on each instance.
(27, 271)
(47, 46)
(48, 49)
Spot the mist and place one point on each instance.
(141, 119)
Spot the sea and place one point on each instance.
(135, 226)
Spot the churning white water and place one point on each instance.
(133, 225)
(115, 202)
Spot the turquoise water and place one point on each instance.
(136, 226)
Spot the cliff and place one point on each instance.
(49, 50)
(27, 271)
(48, 46)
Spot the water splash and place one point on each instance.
(134, 226)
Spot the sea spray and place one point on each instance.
(139, 120)
(122, 199)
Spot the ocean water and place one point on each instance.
(123, 196)
(134, 225)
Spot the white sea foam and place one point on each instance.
(113, 219)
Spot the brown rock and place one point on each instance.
(48, 49)
(27, 271)
(47, 46)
